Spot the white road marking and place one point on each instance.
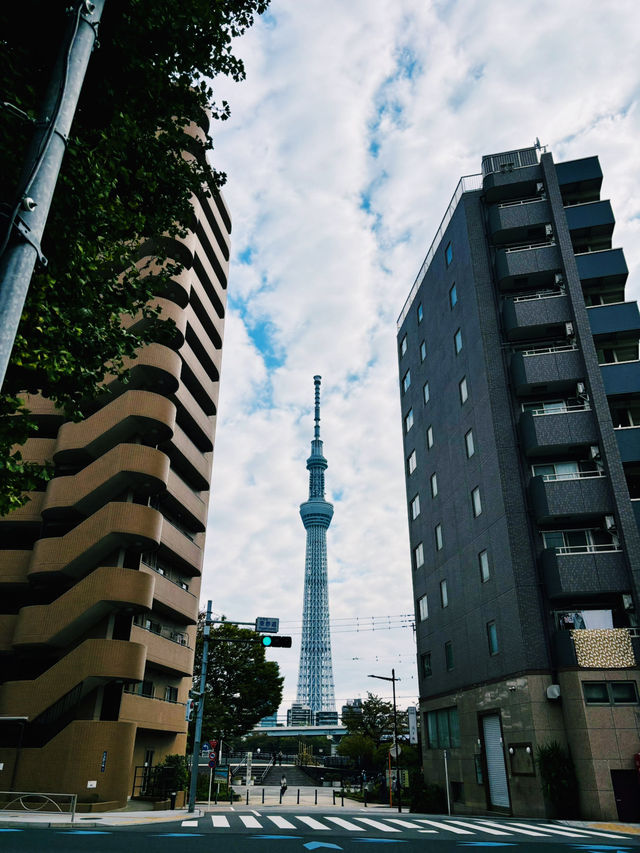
(345, 824)
(407, 824)
(484, 828)
(312, 822)
(250, 822)
(219, 820)
(594, 832)
(568, 832)
(189, 823)
(376, 824)
(281, 822)
(510, 828)
(446, 826)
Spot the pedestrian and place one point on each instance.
(283, 786)
(280, 758)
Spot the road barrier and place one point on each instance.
(35, 801)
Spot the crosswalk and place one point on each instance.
(514, 829)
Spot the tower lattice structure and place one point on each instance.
(315, 679)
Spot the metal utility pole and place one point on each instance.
(29, 216)
(393, 680)
(198, 732)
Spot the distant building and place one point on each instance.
(299, 715)
(352, 706)
(270, 721)
(325, 718)
(520, 393)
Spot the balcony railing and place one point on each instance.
(541, 294)
(548, 350)
(518, 201)
(171, 634)
(603, 648)
(586, 549)
(525, 247)
(578, 407)
(573, 475)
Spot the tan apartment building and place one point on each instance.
(100, 574)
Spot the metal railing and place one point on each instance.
(525, 247)
(468, 183)
(573, 475)
(518, 201)
(507, 161)
(541, 294)
(586, 549)
(549, 350)
(561, 410)
(35, 801)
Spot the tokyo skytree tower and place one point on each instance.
(315, 679)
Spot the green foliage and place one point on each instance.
(180, 775)
(375, 721)
(124, 179)
(426, 799)
(242, 686)
(559, 779)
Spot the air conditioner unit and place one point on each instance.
(609, 522)
(568, 329)
(548, 230)
(581, 389)
(627, 601)
(559, 278)
(594, 451)
(553, 691)
(539, 187)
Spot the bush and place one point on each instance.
(426, 799)
(559, 780)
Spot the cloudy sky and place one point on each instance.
(344, 147)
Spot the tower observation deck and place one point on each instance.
(315, 679)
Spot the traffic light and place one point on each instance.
(276, 641)
(191, 709)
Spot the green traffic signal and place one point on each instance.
(266, 641)
(277, 642)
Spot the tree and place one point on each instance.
(124, 182)
(375, 720)
(242, 686)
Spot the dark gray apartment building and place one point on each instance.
(520, 393)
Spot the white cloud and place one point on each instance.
(382, 104)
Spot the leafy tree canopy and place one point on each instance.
(375, 721)
(242, 686)
(124, 179)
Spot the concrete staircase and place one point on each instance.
(296, 777)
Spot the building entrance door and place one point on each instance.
(627, 793)
(496, 768)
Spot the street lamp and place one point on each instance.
(393, 680)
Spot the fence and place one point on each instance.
(33, 801)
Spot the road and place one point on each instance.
(242, 830)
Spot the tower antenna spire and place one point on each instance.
(316, 430)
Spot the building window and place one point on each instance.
(610, 692)
(423, 350)
(434, 485)
(492, 638)
(444, 595)
(464, 392)
(448, 254)
(403, 346)
(423, 608)
(476, 502)
(415, 507)
(443, 729)
(171, 694)
(408, 420)
(406, 382)
(418, 556)
(425, 663)
(425, 392)
(411, 462)
(457, 341)
(448, 655)
(419, 313)
(429, 437)
(468, 444)
(483, 560)
(438, 535)
(584, 541)
(453, 295)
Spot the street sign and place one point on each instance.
(267, 625)
(213, 744)
(413, 724)
(212, 763)
(395, 751)
(212, 756)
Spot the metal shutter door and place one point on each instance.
(496, 770)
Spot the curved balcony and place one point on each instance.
(116, 525)
(185, 499)
(571, 497)
(168, 311)
(511, 221)
(195, 377)
(180, 549)
(8, 623)
(164, 653)
(554, 368)
(534, 265)
(176, 288)
(171, 599)
(199, 427)
(190, 462)
(553, 433)
(156, 367)
(206, 209)
(106, 590)
(91, 664)
(135, 467)
(535, 316)
(29, 513)
(596, 648)
(38, 450)
(584, 571)
(14, 567)
(135, 413)
(153, 714)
